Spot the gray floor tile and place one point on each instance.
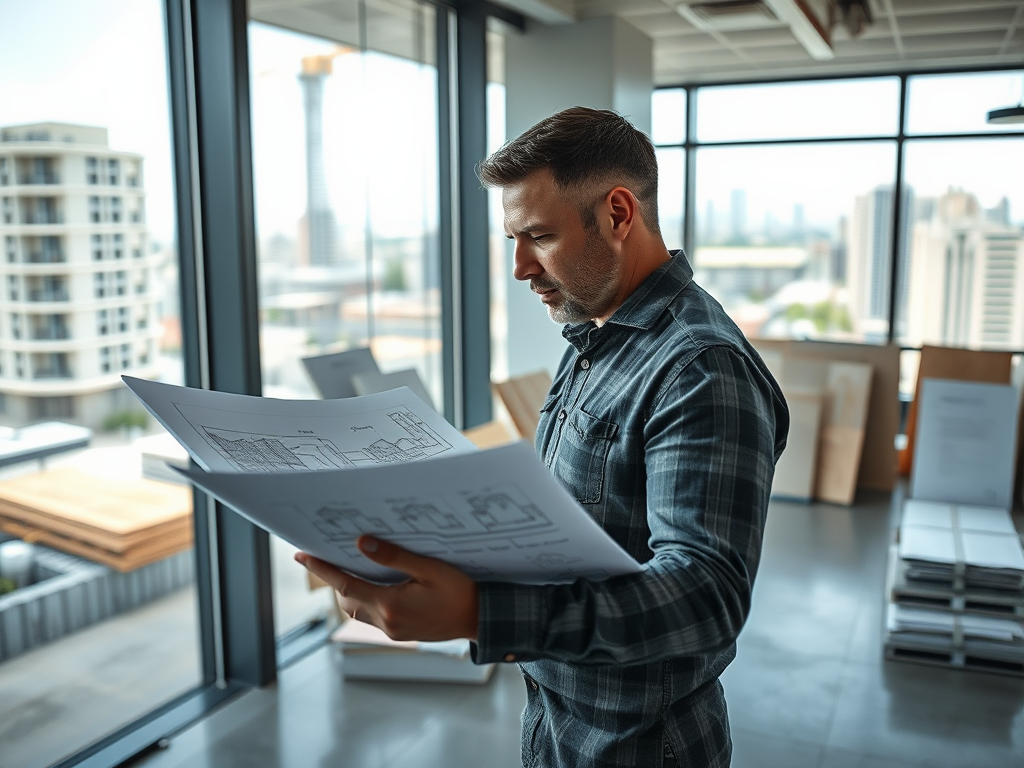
(838, 758)
(755, 750)
(930, 716)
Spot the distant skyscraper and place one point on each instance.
(967, 277)
(798, 219)
(738, 214)
(710, 231)
(869, 256)
(79, 303)
(320, 222)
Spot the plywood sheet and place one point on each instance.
(523, 397)
(957, 364)
(844, 417)
(489, 435)
(878, 455)
(795, 471)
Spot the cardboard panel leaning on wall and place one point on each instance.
(957, 364)
(878, 455)
(841, 441)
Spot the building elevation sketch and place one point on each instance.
(237, 433)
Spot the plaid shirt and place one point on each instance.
(665, 425)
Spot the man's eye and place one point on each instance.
(538, 238)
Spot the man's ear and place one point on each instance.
(622, 211)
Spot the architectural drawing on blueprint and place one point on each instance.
(412, 439)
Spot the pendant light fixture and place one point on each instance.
(1009, 114)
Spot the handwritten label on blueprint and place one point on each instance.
(497, 515)
(238, 433)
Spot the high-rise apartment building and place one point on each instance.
(76, 275)
(868, 259)
(967, 277)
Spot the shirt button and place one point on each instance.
(584, 364)
(510, 657)
(561, 415)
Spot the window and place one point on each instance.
(97, 247)
(91, 171)
(94, 210)
(121, 282)
(105, 355)
(8, 210)
(102, 322)
(796, 211)
(364, 268)
(115, 209)
(11, 248)
(19, 364)
(122, 319)
(118, 246)
(4, 173)
(113, 172)
(126, 356)
(99, 281)
(15, 326)
(12, 287)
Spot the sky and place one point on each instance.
(103, 63)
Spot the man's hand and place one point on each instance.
(438, 602)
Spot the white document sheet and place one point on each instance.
(965, 447)
(332, 374)
(239, 433)
(369, 383)
(497, 515)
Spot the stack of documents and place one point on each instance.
(947, 542)
(369, 654)
(982, 636)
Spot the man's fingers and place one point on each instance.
(393, 556)
(343, 582)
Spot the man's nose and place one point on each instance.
(524, 265)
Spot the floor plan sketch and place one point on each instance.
(275, 453)
(419, 442)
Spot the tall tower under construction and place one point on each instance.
(319, 216)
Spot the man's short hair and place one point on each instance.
(583, 148)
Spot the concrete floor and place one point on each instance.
(809, 687)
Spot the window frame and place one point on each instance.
(901, 139)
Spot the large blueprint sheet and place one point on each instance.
(497, 515)
(320, 473)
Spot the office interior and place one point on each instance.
(276, 179)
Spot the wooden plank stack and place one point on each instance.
(123, 524)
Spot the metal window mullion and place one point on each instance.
(897, 216)
(231, 304)
(448, 209)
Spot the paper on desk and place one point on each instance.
(496, 515)
(332, 373)
(239, 433)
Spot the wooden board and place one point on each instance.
(878, 455)
(123, 561)
(960, 365)
(121, 507)
(489, 435)
(523, 397)
(844, 416)
(794, 473)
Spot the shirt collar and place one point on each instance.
(645, 305)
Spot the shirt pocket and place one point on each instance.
(583, 454)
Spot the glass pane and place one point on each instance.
(671, 195)
(966, 253)
(801, 249)
(960, 103)
(345, 169)
(668, 116)
(101, 625)
(834, 108)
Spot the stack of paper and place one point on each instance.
(938, 541)
(941, 631)
(369, 654)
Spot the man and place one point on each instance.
(663, 423)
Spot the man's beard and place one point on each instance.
(593, 284)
